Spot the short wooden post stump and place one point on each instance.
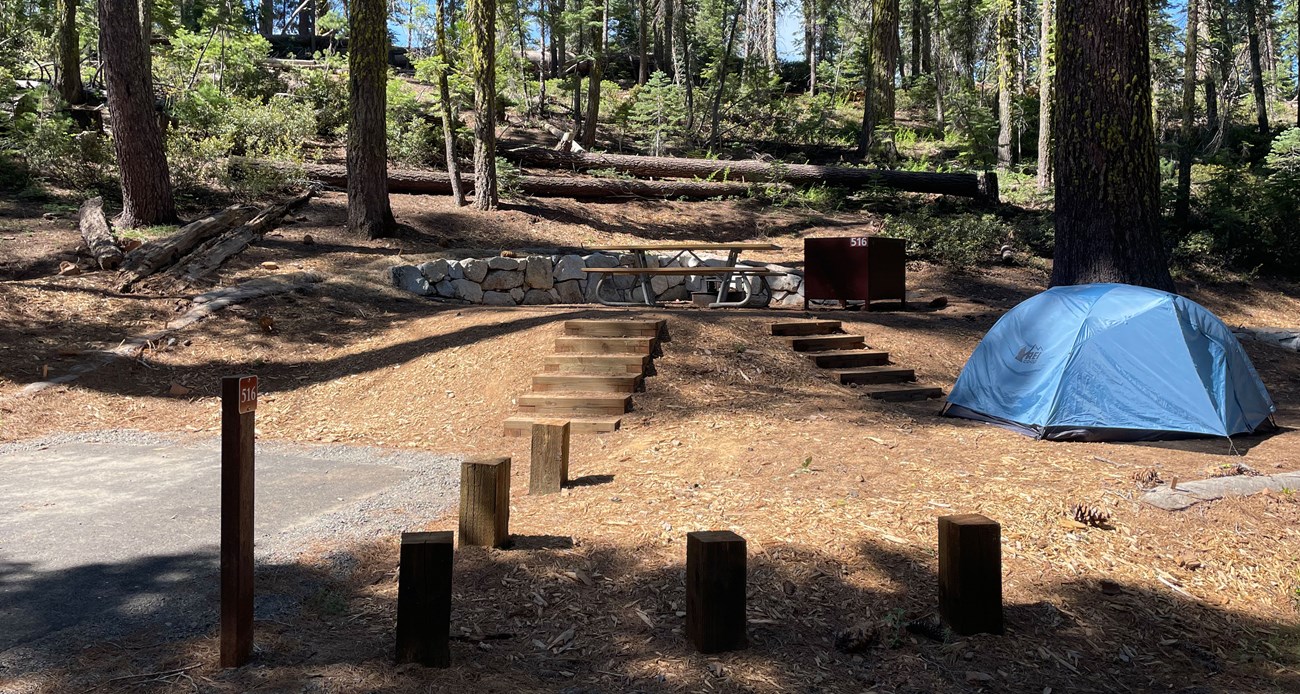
(550, 456)
(970, 574)
(715, 591)
(424, 599)
(485, 502)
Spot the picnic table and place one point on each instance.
(641, 268)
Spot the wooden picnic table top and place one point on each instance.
(690, 246)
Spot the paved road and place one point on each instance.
(110, 533)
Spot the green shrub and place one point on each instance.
(412, 139)
(325, 90)
(54, 150)
(959, 240)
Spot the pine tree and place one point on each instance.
(67, 65)
(137, 136)
(369, 213)
(1182, 201)
(483, 65)
(1046, 95)
(882, 63)
(1006, 30)
(1107, 172)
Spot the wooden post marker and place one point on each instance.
(485, 502)
(238, 403)
(970, 574)
(715, 591)
(424, 599)
(550, 460)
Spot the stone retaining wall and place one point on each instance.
(559, 279)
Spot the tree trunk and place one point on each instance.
(158, 254)
(963, 184)
(669, 17)
(937, 43)
(137, 138)
(369, 213)
(483, 21)
(1006, 29)
(769, 35)
(1211, 86)
(1046, 97)
(450, 121)
(878, 107)
(420, 181)
(643, 44)
(558, 55)
(810, 43)
(599, 32)
(99, 239)
(146, 32)
(715, 132)
(1107, 171)
(265, 18)
(916, 37)
(1182, 200)
(67, 64)
(1256, 73)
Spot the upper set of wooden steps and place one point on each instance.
(851, 362)
(589, 381)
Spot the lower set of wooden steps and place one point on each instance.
(597, 366)
(851, 362)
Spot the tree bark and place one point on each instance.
(915, 22)
(878, 107)
(420, 181)
(265, 18)
(67, 66)
(599, 34)
(1256, 73)
(962, 184)
(715, 132)
(1211, 85)
(99, 239)
(642, 40)
(159, 254)
(483, 22)
(1107, 171)
(1182, 199)
(369, 212)
(450, 121)
(204, 260)
(137, 138)
(937, 44)
(1046, 96)
(1006, 30)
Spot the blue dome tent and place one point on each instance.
(1111, 362)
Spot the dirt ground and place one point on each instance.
(837, 496)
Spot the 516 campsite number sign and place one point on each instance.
(247, 394)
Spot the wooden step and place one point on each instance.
(821, 343)
(585, 404)
(522, 425)
(635, 364)
(605, 345)
(875, 374)
(613, 328)
(900, 391)
(806, 327)
(849, 358)
(586, 383)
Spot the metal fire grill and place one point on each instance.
(855, 268)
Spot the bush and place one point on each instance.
(325, 90)
(55, 151)
(412, 139)
(959, 240)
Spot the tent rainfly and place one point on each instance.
(1111, 362)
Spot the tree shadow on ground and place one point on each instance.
(550, 616)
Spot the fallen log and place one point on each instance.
(423, 181)
(99, 239)
(204, 260)
(983, 186)
(158, 254)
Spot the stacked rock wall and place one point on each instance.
(560, 279)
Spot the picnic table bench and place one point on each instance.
(641, 268)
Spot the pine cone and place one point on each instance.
(1089, 515)
(1148, 478)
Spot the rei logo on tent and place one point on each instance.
(1029, 354)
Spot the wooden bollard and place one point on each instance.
(485, 502)
(715, 591)
(238, 404)
(550, 456)
(424, 599)
(970, 574)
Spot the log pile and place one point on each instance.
(161, 253)
(981, 186)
